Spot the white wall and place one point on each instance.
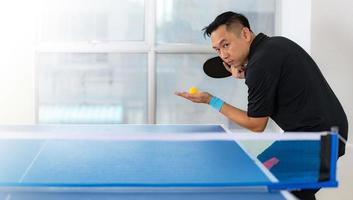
(332, 49)
(16, 62)
(294, 21)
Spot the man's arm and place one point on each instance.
(240, 117)
(237, 115)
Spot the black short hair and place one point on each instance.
(227, 18)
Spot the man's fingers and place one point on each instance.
(182, 94)
(187, 95)
(237, 71)
(234, 69)
(192, 97)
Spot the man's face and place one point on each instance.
(231, 47)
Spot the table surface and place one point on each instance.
(129, 162)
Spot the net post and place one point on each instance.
(334, 152)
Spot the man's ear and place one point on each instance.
(246, 33)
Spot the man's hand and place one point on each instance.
(235, 114)
(237, 71)
(201, 97)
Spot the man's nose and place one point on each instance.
(224, 54)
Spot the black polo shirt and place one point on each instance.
(285, 83)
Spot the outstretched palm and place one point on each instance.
(201, 97)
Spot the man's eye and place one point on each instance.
(226, 45)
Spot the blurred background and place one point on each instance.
(118, 62)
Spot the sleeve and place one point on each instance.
(262, 82)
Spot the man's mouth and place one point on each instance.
(230, 63)
(227, 62)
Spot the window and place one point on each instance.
(92, 87)
(114, 61)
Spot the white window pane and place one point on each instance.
(181, 21)
(92, 88)
(178, 72)
(82, 20)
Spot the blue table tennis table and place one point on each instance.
(128, 162)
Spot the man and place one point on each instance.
(284, 83)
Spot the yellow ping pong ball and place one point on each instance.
(193, 90)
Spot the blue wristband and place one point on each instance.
(216, 103)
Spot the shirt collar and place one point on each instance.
(256, 42)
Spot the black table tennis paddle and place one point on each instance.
(214, 68)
